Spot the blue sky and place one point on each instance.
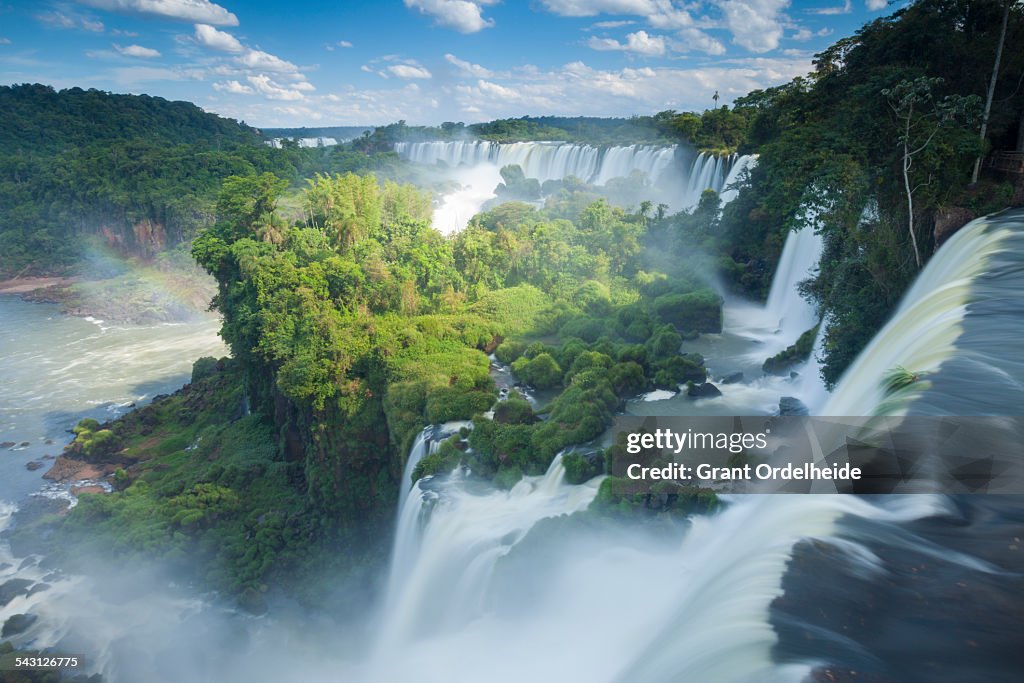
(340, 62)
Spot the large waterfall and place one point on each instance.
(475, 596)
(676, 177)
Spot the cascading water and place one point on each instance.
(786, 315)
(743, 164)
(476, 165)
(953, 328)
(698, 609)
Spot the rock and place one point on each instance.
(12, 589)
(705, 390)
(79, 490)
(33, 465)
(949, 221)
(27, 562)
(18, 623)
(65, 469)
(7, 444)
(734, 378)
(790, 405)
(24, 444)
(793, 374)
(38, 588)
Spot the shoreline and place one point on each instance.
(30, 285)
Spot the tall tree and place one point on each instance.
(1007, 4)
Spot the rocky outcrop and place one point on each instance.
(949, 221)
(705, 390)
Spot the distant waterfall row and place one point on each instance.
(597, 165)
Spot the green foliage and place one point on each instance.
(800, 351)
(542, 371)
(699, 311)
(580, 467)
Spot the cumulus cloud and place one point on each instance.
(210, 37)
(755, 24)
(640, 43)
(233, 87)
(465, 16)
(344, 43)
(408, 71)
(695, 39)
(467, 68)
(875, 5)
(259, 60)
(273, 91)
(137, 51)
(198, 11)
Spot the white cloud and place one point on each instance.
(259, 60)
(640, 43)
(62, 20)
(210, 37)
(467, 68)
(875, 5)
(755, 24)
(590, 8)
(612, 24)
(802, 35)
(137, 51)
(465, 16)
(494, 90)
(695, 39)
(233, 87)
(408, 71)
(273, 91)
(344, 43)
(198, 11)
(845, 8)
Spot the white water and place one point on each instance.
(601, 607)
(475, 165)
(786, 315)
(923, 332)
(745, 163)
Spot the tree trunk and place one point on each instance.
(907, 159)
(992, 87)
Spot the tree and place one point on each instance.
(992, 85)
(920, 118)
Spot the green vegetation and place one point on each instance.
(889, 119)
(783, 361)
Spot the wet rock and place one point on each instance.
(33, 465)
(705, 390)
(18, 623)
(7, 444)
(734, 378)
(24, 444)
(38, 588)
(949, 221)
(790, 405)
(12, 589)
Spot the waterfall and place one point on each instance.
(955, 326)
(476, 165)
(449, 537)
(746, 162)
(786, 315)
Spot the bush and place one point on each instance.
(509, 351)
(672, 372)
(699, 311)
(541, 372)
(580, 468)
(514, 411)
